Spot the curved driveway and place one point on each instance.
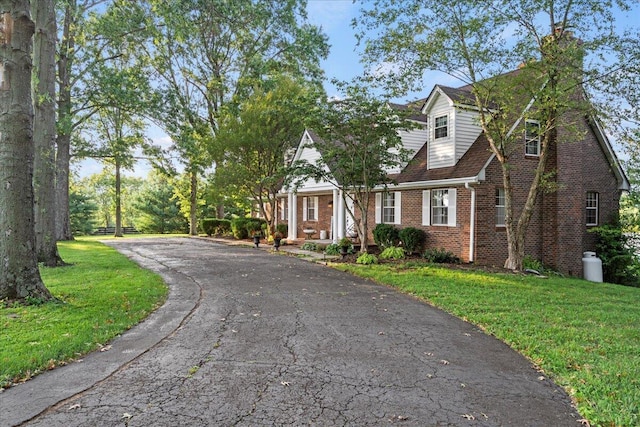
(249, 338)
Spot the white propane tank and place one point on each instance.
(592, 267)
(323, 234)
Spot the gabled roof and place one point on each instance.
(414, 108)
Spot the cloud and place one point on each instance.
(331, 14)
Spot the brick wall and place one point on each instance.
(324, 216)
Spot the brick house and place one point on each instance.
(452, 188)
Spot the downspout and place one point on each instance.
(472, 219)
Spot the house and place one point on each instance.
(453, 188)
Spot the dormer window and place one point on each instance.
(441, 128)
(532, 138)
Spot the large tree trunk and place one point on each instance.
(19, 275)
(44, 131)
(63, 140)
(193, 204)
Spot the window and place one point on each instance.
(388, 207)
(532, 138)
(309, 208)
(500, 209)
(440, 207)
(441, 129)
(592, 208)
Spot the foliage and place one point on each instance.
(82, 211)
(283, 229)
(309, 246)
(104, 294)
(620, 263)
(239, 228)
(216, 227)
(358, 139)
(530, 263)
(392, 252)
(440, 256)
(158, 210)
(367, 259)
(386, 235)
(345, 241)
(413, 239)
(332, 249)
(593, 352)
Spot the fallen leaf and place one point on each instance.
(428, 354)
(72, 407)
(469, 417)
(127, 415)
(541, 378)
(402, 418)
(285, 383)
(444, 362)
(381, 333)
(106, 348)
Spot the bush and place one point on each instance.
(216, 227)
(440, 256)
(386, 235)
(413, 239)
(392, 252)
(619, 262)
(239, 228)
(309, 246)
(283, 229)
(530, 263)
(367, 259)
(332, 249)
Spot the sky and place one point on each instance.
(343, 63)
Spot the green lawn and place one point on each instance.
(102, 294)
(585, 336)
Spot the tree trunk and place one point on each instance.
(63, 140)
(193, 204)
(44, 132)
(118, 232)
(19, 275)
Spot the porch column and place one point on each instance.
(293, 217)
(334, 218)
(341, 214)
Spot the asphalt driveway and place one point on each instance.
(249, 338)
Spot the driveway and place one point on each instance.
(249, 338)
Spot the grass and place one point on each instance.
(101, 295)
(585, 336)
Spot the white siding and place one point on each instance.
(312, 155)
(467, 131)
(442, 150)
(412, 140)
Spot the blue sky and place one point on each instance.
(343, 63)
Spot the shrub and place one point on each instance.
(530, 263)
(283, 229)
(309, 246)
(440, 256)
(413, 239)
(367, 259)
(392, 252)
(332, 249)
(256, 225)
(239, 228)
(216, 227)
(619, 263)
(386, 235)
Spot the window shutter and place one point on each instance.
(304, 208)
(426, 207)
(378, 208)
(451, 214)
(316, 207)
(398, 208)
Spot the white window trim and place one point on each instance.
(451, 209)
(397, 206)
(527, 140)
(305, 208)
(448, 127)
(596, 208)
(500, 206)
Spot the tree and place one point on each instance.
(158, 209)
(258, 135)
(359, 142)
(477, 42)
(73, 105)
(82, 210)
(44, 131)
(19, 275)
(209, 53)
